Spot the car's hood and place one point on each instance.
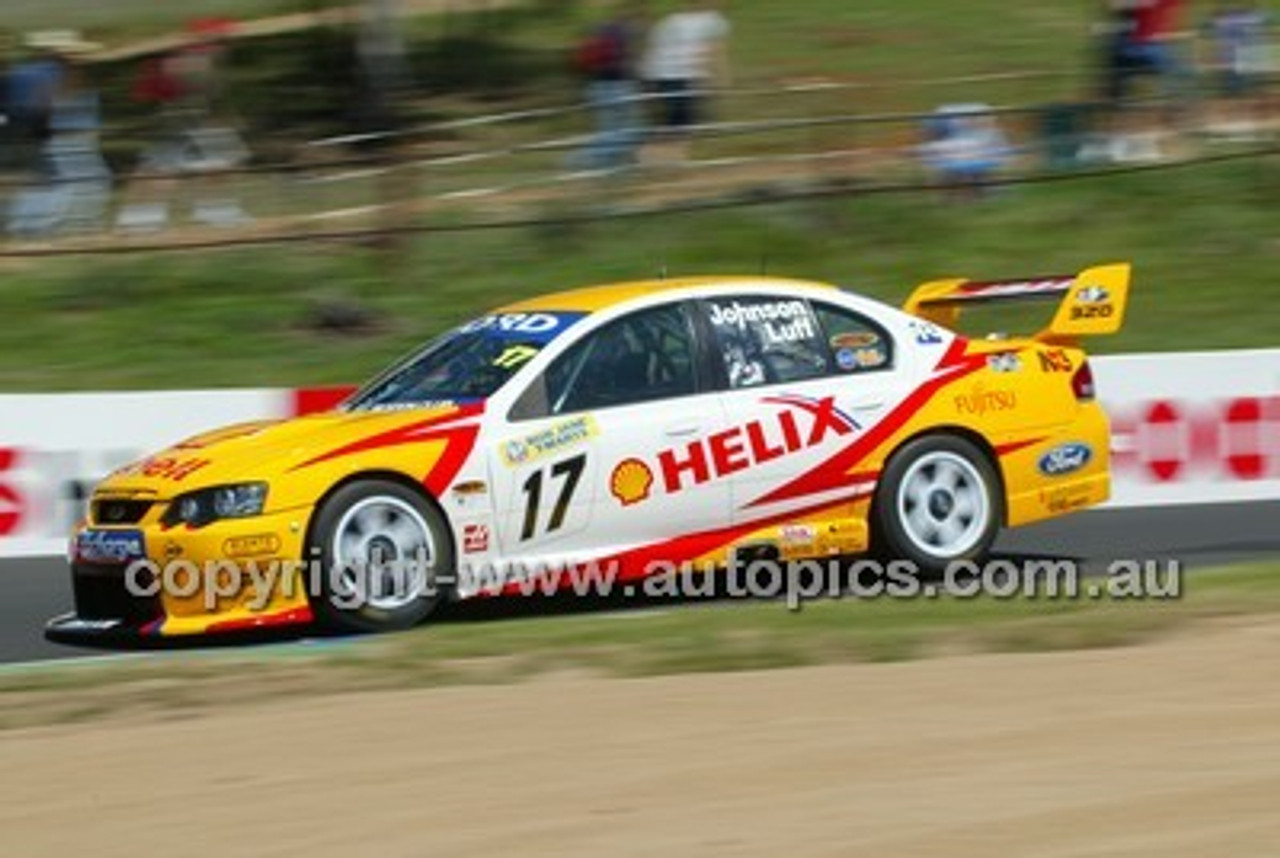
(267, 449)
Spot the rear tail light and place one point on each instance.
(1082, 383)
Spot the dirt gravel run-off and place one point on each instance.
(1167, 749)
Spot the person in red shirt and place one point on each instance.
(1143, 39)
(1157, 41)
(1157, 20)
(195, 133)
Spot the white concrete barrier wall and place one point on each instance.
(54, 447)
(1193, 427)
(1187, 428)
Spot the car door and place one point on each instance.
(596, 457)
(803, 381)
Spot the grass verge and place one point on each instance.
(1202, 239)
(684, 639)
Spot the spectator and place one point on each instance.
(687, 54)
(8, 147)
(195, 132)
(1241, 59)
(382, 56)
(29, 87)
(1141, 38)
(1119, 54)
(1156, 37)
(606, 57)
(965, 147)
(74, 180)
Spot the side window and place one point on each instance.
(856, 343)
(767, 340)
(643, 356)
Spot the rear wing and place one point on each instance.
(1089, 304)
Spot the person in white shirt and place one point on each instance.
(687, 54)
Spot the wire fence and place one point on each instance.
(743, 160)
(734, 201)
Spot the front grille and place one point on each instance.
(101, 593)
(119, 510)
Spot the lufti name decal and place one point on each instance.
(802, 423)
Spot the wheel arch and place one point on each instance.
(956, 431)
(390, 476)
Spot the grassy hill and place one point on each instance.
(1205, 240)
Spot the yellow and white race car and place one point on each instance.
(641, 427)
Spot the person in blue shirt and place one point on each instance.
(607, 59)
(73, 182)
(1241, 56)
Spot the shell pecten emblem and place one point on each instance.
(631, 481)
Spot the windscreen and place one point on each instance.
(469, 363)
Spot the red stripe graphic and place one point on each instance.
(288, 617)
(833, 474)
(1015, 446)
(458, 446)
(433, 429)
(1052, 284)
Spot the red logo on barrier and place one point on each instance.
(11, 504)
(313, 400)
(1250, 440)
(1166, 445)
(1166, 440)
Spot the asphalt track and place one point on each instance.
(1198, 536)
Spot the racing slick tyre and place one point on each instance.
(938, 502)
(384, 552)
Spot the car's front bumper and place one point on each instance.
(229, 576)
(71, 628)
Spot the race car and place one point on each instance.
(645, 427)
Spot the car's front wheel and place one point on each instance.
(938, 502)
(384, 551)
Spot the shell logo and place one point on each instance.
(631, 481)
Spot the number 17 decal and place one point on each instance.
(569, 472)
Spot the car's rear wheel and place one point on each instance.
(385, 550)
(937, 503)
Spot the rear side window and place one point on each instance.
(855, 343)
(767, 340)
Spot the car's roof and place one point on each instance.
(595, 298)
